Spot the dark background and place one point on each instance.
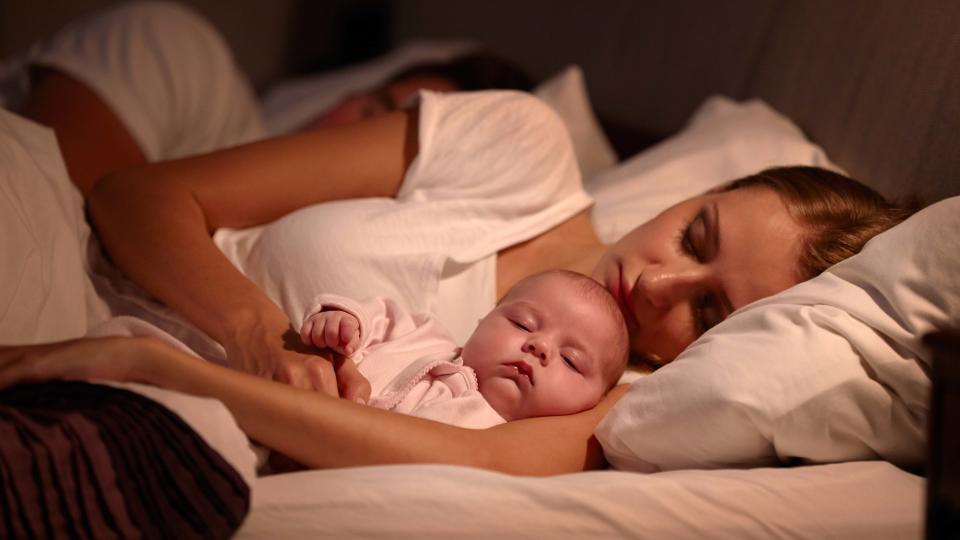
(875, 82)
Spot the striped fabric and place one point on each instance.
(81, 460)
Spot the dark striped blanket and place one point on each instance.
(82, 460)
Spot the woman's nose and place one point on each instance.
(666, 285)
(537, 348)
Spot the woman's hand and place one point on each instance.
(272, 353)
(332, 374)
(111, 358)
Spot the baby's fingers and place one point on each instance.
(349, 335)
(337, 332)
(306, 331)
(332, 330)
(318, 334)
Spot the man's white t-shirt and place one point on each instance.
(164, 70)
(494, 169)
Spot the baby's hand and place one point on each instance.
(337, 330)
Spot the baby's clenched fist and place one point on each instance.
(335, 330)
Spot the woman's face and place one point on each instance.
(687, 269)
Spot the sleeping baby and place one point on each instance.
(554, 345)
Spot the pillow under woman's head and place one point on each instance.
(723, 140)
(833, 369)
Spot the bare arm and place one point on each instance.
(318, 430)
(92, 139)
(294, 421)
(156, 221)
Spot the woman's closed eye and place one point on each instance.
(699, 240)
(692, 237)
(691, 245)
(705, 314)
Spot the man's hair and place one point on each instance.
(475, 71)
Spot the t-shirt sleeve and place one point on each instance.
(497, 162)
(165, 71)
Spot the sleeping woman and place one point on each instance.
(442, 207)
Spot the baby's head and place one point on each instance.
(554, 345)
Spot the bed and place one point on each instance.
(764, 107)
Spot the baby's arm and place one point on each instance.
(337, 321)
(331, 329)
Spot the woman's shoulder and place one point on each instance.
(477, 144)
(507, 112)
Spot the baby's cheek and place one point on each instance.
(570, 401)
(504, 396)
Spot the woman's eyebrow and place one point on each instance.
(712, 222)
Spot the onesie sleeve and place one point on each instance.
(381, 319)
(165, 71)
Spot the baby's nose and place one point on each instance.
(538, 349)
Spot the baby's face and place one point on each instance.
(546, 350)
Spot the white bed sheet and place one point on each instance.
(860, 500)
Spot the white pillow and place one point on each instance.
(724, 140)
(566, 93)
(45, 294)
(292, 103)
(830, 370)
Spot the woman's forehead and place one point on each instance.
(759, 244)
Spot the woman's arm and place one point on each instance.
(156, 221)
(321, 431)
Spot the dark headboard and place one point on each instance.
(875, 82)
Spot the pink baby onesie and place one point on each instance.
(413, 365)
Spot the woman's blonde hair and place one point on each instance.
(838, 213)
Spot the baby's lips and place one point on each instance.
(523, 368)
